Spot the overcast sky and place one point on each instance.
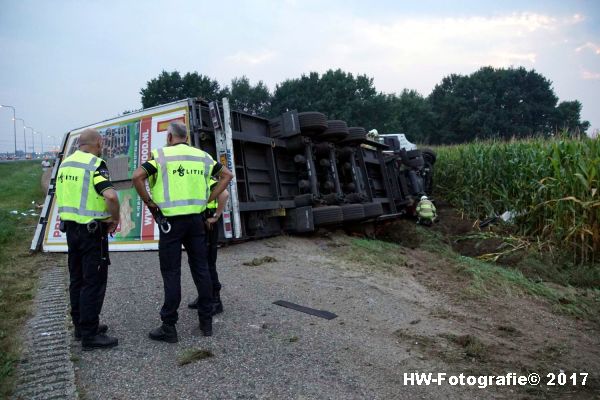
(64, 64)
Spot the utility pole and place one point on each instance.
(14, 125)
(24, 138)
(32, 141)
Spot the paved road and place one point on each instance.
(256, 354)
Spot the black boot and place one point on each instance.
(206, 326)
(193, 304)
(217, 305)
(102, 328)
(99, 341)
(166, 333)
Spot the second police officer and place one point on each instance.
(179, 177)
(214, 211)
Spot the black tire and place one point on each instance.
(303, 200)
(357, 130)
(429, 156)
(327, 215)
(413, 159)
(356, 134)
(353, 212)
(312, 123)
(373, 210)
(336, 130)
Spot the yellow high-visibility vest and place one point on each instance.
(426, 209)
(213, 204)
(76, 196)
(181, 185)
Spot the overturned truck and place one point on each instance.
(293, 173)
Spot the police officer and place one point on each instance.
(179, 182)
(214, 210)
(89, 209)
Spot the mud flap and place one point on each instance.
(300, 220)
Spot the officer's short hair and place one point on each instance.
(178, 129)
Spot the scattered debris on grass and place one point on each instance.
(191, 355)
(414, 339)
(260, 261)
(472, 345)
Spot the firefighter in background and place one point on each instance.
(89, 210)
(180, 189)
(426, 212)
(373, 135)
(214, 211)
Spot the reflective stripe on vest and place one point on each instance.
(89, 208)
(165, 201)
(425, 209)
(86, 213)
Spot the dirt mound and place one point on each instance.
(475, 247)
(401, 231)
(450, 221)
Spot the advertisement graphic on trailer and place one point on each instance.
(127, 143)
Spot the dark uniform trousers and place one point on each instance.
(189, 231)
(88, 272)
(212, 241)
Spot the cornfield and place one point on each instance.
(551, 185)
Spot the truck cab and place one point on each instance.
(396, 142)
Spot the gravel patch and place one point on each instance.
(261, 350)
(45, 370)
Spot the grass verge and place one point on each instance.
(371, 253)
(489, 279)
(19, 185)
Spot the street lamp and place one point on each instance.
(41, 142)
(32, 142)
(53, 142)
(14, 125)
(24, 138)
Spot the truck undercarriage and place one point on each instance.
(293, 174)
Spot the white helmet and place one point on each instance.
(423, 198)
(373, 132)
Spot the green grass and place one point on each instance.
(192, 355)
(19, 186)
(553, 185)
(489, 279)
(375, 254)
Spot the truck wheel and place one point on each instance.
(353, 212)
(336, 130)
(373, 210)
(312, 123)
(429, 156)
(413, 159)
(327, 215)
(355, 134)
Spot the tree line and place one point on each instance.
(489, 103)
